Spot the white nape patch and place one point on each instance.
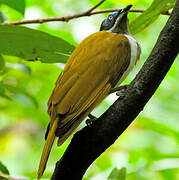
(135, 48)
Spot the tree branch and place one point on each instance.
(90, 142)
(89, 12)
(94, 7)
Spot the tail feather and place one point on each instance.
(47, 148)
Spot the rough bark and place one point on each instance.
(90, 142)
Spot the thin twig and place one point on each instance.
(94, 7)
(73, 16)
(61, 18)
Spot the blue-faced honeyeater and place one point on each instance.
(100, 62)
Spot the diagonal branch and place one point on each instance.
(61, 18)
(89, 12)
(90, 142)
(94, 7)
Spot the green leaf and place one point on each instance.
(32, 44)
(118, 174)
(3, 92)
(150, 15)
(5, 88)
(18, 5)
(3, 168)
(18, 90)
(3, 17)
(2, 63)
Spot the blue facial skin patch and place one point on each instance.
(115, 14)
(109, 21)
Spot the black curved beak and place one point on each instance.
(121, 24)
(121, 12)
(126, 9)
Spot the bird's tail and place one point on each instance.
(47, 148)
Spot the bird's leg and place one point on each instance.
(120, 90)
(91, 119)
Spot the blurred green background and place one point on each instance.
(148, 149)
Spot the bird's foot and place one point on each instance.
(90, 121)
(119, 90)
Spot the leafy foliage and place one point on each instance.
(7, 91)
(33, 45)
(118, 174)
(2, 63)
(3, 169)
(18, 5)
(3, 92)
(150, 15)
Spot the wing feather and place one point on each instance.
(87, 73)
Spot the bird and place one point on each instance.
(100, 63)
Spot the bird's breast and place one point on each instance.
(135, 51)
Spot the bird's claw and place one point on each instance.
(90, 121)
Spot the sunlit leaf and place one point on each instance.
(18, 5)
(118, 174)
(2, 63)
(169, 174)
(3, 168)
(33, 45)
(150, 15)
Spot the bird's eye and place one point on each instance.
(110, 17)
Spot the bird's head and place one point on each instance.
(116, 22)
